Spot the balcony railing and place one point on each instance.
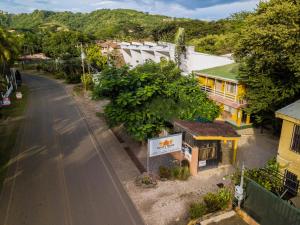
(225, 95)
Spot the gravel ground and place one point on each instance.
(168, 203)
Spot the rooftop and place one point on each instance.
(229, 71)
(215, 129)
(292, 110)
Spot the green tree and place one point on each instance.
(180, 49)
(9, 47)
(269, 52)
(63, 44)
(95, 58)
(147, 97)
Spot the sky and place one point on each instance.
(197, 9)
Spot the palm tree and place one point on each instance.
(8, 47)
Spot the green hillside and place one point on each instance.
(120, 23)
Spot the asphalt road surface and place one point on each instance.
(58, 174)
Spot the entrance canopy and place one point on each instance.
(217, 130)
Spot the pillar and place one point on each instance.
(239, 117)
(194, 161)
(248, 119)
(235, 145)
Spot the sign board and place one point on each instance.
(6, 101)
(187, 151)
(202, 163)
(164, 145)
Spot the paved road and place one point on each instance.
(59, 175)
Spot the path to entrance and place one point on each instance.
(59, 174)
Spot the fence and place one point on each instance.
(267, 208)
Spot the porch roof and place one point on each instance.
(217, 130)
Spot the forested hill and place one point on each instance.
(121, 24)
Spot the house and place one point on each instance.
(288, 155)
(137, 53)
(207, 145)
(222, 86)
(108, 47)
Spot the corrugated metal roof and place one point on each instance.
(292, 110)
(217, 128)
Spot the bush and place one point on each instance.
(184, 173)
(217, 201)
(146, 180)
(197, 210)
(164, 172)
(175, 172)
(185, 163)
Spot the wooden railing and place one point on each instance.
(226, 95)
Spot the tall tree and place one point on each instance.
(63, 44)
(180, 48)
(269, 52)
(145, 98)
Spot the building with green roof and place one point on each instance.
(222, 85)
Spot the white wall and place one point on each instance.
(200, 61)
(138, 53)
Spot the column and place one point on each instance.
(194, 161)
(235, 145)
(248, 119)
(239, 117)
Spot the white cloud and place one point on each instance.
(177, 10)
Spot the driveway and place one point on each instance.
(59, 175)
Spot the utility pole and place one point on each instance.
(82, 58)
(241, 186)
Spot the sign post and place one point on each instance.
(163, 145)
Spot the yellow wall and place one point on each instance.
(288, 159)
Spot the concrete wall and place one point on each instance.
(154, 51)
(288, 159)
(200, 61)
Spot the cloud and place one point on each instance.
(200, 9)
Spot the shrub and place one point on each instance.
(197, 210)
(175, 172)
(184, 173)
(146, 180)
(164, 172)
(185, 163)
(87, 81)
(217, 201)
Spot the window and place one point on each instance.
(208, 151)
(295, 146)
(231, 88)
(291, 182)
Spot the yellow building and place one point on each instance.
(222, 86)
(288, 155)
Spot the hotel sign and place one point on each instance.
(164, 145)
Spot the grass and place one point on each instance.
(229, 71)
(10, 123)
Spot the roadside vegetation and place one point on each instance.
(10, 123)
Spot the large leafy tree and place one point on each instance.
(95, 58)
(147, 97)
(63, 44)
(269, 51)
